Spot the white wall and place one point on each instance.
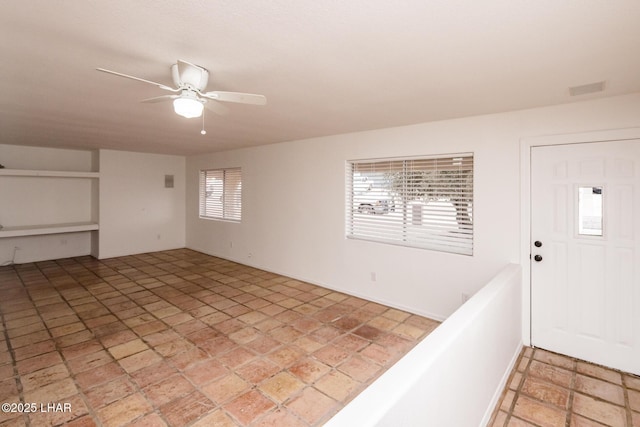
(455, 376)
(137, 213)
(293, 204)
(28, 201)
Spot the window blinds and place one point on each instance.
(422, 202)
(221, 194)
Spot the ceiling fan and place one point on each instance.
(190, 99)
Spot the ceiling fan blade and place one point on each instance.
(160, 98)
(216, 107)
(161, 86)
(242, 98)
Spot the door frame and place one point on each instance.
(526, 145)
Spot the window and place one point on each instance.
(424, 202)
(221, 194)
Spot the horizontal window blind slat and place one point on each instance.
(221, 194)
(418, 202)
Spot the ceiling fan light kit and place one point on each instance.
(191, 80)
(188, 106)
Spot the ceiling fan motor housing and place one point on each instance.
(194, 76)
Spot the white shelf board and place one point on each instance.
(35, 230)
(48, 174)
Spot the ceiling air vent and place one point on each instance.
(586, 89)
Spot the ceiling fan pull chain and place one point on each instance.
(203, 132)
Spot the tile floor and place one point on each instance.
(184, 339)
(548, 389)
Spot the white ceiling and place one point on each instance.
(326, 66)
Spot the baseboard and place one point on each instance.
(503, 383)
(434, 316)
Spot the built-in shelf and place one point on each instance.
(48, 174)
(34, 230)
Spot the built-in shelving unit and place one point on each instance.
(48, 174)
(49, 203)
(42, 229)
(35, 230)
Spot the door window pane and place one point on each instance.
(590, 211)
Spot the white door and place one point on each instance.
(585, 251)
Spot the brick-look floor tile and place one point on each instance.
(163, 337)
(311, 405)
(84, 421)
(184, 410)
(337, 385)
(181, 338)
(377, 354)
(507, 400)
(37, 349)
(309, 370)
(110, 392)
(546, 392)
(281, 387)
(225, 388)
(553, 359)
(6, 371)
(189, 358)
(99, 375)
(498, 419)
(149, 328)
(262, 344)
(360, 369)
(8, 389)
(580, 421)
(258, 370)
(552, 374)
(81, 349)
(216, 419)
(248, 407)
(599, 372)
(601, 389)
(89, 361)
(139, 360)
(123, 350)
(632, 382)
(171, 348)
(205, 372)
(237, 357)
(331, 355)
(168, 389)
(150, 420)
(67, 329)
(280, 418)
(56, 417)
(285, 356)
(603, 412)
(53, 392)
(538, 413)
(75, 338)
(43, 377)
(124, 410)
(634, 400)
(38, 362)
